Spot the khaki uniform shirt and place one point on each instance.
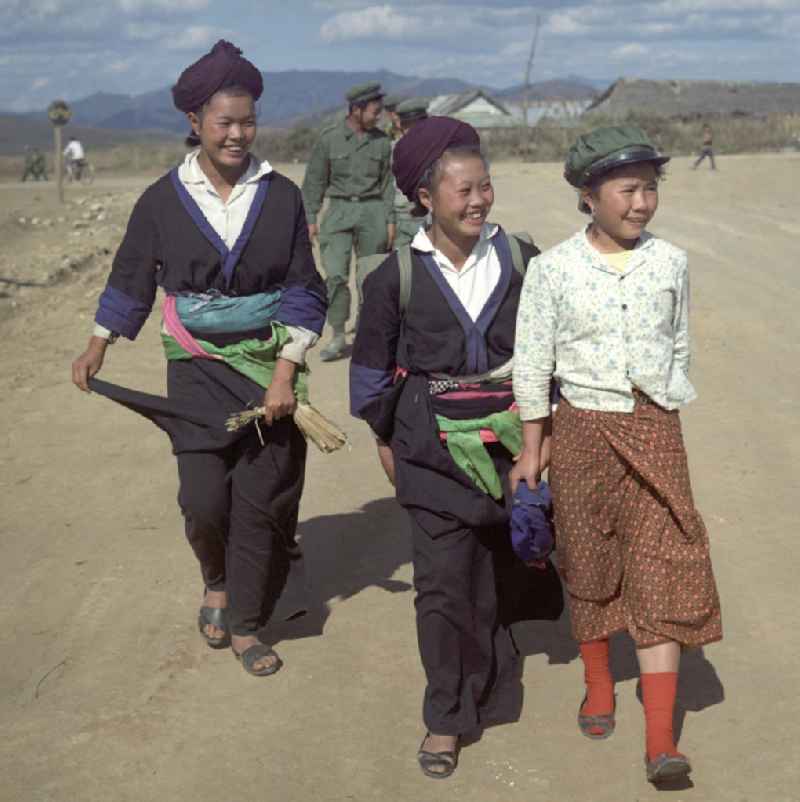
(402, 205)
(345, 165)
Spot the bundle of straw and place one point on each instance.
(326, 436)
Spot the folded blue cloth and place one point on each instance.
(221, 314)
(532, 522)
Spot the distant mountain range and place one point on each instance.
(290, 97)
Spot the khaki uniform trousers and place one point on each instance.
(348, 225)
(407, 228)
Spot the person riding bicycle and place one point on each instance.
(74, 158)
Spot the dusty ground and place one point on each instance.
(108, 693)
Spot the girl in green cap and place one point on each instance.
(605, 314)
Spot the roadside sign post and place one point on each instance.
(60, 114)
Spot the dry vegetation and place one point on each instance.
(549, 141)
(546, 142)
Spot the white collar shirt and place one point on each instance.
(226, 217)
(475, 281)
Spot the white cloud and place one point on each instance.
(120, 66)
(166, 6)
(40, 83)
(84, 46)
(383, 22)
(195, 37)
(632, 50)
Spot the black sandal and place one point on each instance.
(250, 656)
(215, 617)
(605, 722)
(664, 767)
(429, 762)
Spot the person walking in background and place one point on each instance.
(350, 164)
(35, 165)
(392, 126)
(225, 236)
(707, 150)
(607, 313)
(74, 158)
(430, 375)
(408, 113)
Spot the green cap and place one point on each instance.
(363, 93)
(605, 149)
(390, 102)
(415, 108)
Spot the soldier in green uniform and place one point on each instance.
(351, 164)
(392, 127)
(35, 165)
(408, 113)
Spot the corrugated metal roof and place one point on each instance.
(458, 106)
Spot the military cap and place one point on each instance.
(390, 102)
(363, 93)
(605, 149)
(415, 108)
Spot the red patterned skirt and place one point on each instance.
(632, 548)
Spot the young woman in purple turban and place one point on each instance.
(225, 237)
(430, 374)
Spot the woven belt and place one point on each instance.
(439, 386)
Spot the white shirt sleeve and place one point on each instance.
(301, 340)
(680, 322)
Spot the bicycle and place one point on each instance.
(82, 171)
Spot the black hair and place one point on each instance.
(431, 177)
(595, 182)
(361, 104)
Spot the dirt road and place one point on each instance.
(108, 693)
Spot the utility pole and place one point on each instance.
(60, 114)
(527, 83)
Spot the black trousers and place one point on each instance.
(240, 509)
(469, 657)
(240, 499)
(706, 153)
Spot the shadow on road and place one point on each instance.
(699, 686)
(345, 554)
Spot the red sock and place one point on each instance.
(658, 696)
(597, 676)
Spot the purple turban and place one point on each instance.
(423, 144)
(223, 66)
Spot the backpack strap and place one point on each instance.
(516, 251)
(404, 265)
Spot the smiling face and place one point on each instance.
(226, 126)
(461, 195)
(365, 117)
(624, 201)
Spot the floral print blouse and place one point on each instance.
(602, 332)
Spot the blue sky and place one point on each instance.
(71, 48)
